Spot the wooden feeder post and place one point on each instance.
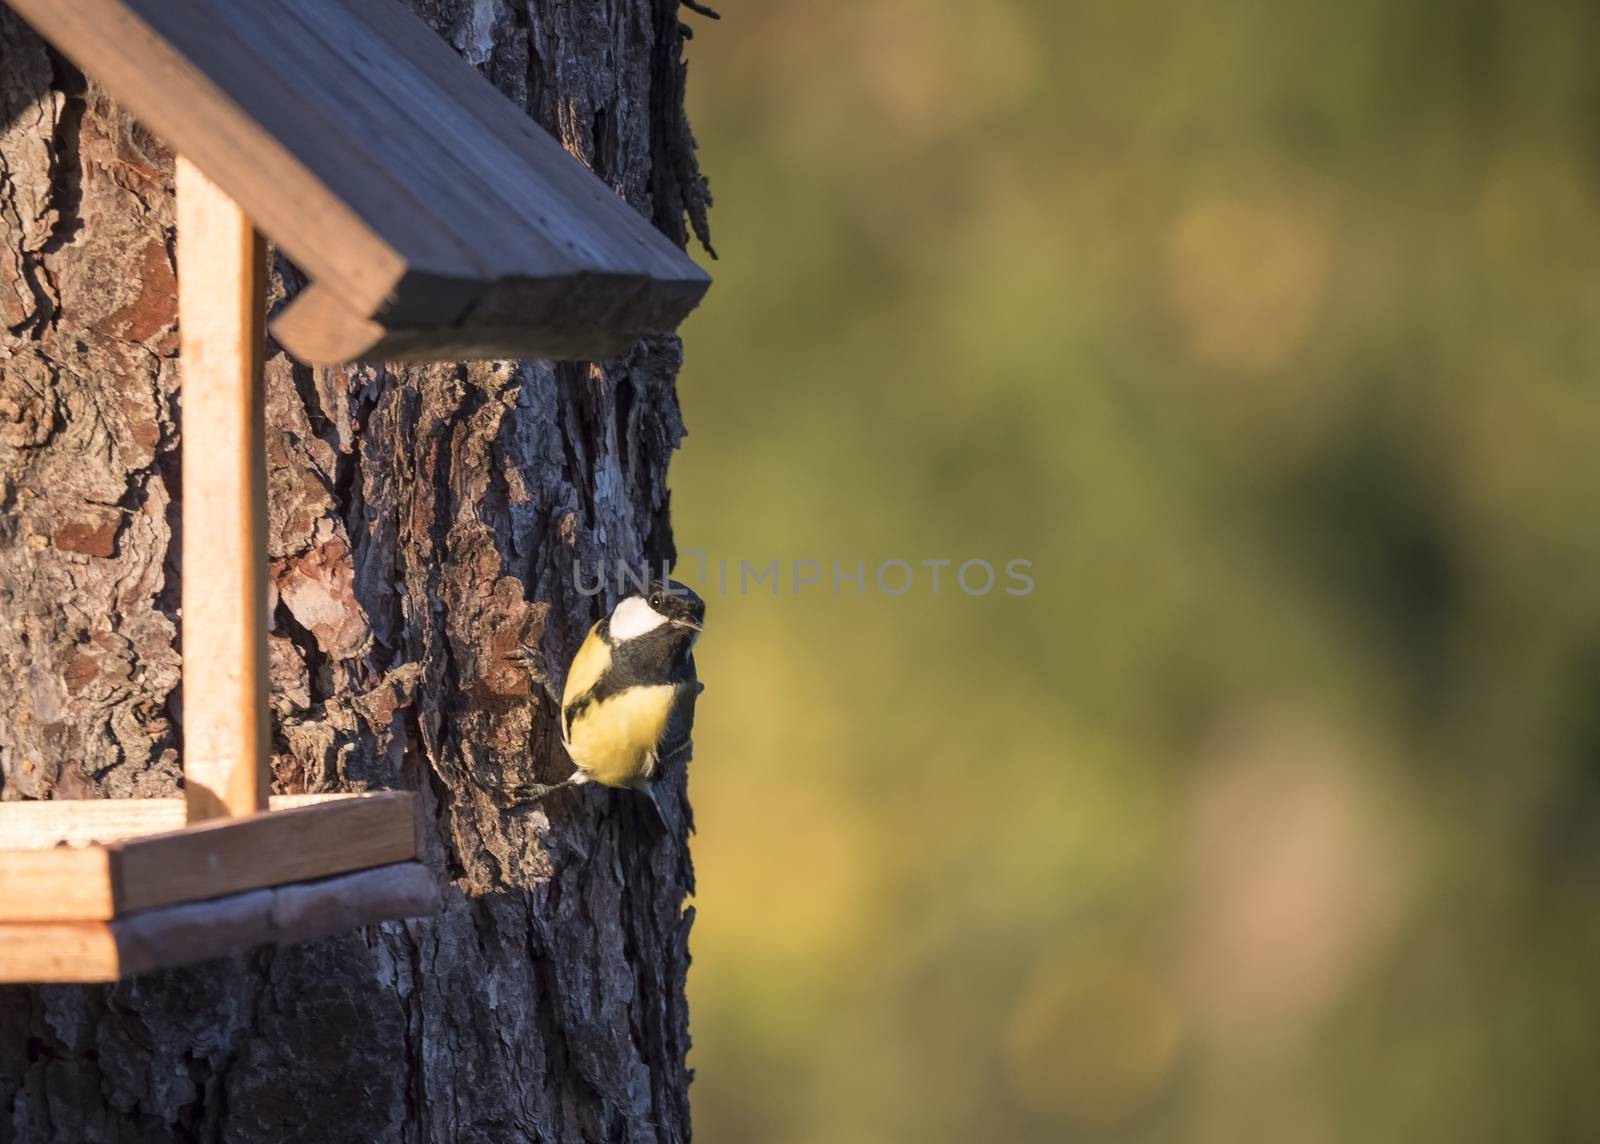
(221, 328)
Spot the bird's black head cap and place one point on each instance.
(678, 602)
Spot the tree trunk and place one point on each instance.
(423, 521)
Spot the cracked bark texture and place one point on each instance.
(424, 521)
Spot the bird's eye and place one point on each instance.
(655, 599)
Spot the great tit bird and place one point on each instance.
(627, 710)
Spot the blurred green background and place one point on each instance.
(1270, 333)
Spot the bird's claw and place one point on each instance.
(532, 660)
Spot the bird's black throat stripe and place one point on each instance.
(660, 656)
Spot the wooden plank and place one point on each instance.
(386, 167)
(79, 952)
(311, 837)
(221, 330)
(179, 935)
(302, 911)
(317, 328)
(54, 884)
(46, 823)
(516, 149)
(41, 825)
(225, 856)
(355, 85)
(446, 105)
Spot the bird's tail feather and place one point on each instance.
(649, 791)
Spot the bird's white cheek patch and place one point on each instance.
(633, 618)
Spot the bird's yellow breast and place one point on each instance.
(587, 666)
(613, 741)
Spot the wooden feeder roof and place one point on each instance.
(435, 219)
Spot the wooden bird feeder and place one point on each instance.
(435, 222)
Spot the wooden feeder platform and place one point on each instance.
(435, 222)
(104, 888)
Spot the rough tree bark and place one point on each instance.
(423, 521)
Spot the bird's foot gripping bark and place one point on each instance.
(532, 658)
(534, 792)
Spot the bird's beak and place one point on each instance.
(692, 625)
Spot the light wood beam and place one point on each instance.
(221, 320)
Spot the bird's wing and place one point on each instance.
(677, 743)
